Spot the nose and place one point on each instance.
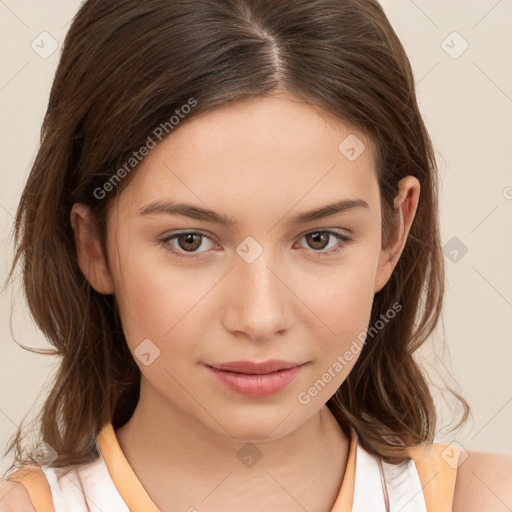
(259, 300)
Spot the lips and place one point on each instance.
(253, 368)
(255, 379)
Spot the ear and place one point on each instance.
(405, 205)
(91, 260)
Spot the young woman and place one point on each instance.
(230, 235)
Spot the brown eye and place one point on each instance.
(318, 239)
(186, 244)
(189, 241)
(319, 242)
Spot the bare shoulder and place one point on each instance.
(484, 482)
(14, 497)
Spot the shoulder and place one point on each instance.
(484, 482)
(14, 497)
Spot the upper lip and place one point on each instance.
(250, 367)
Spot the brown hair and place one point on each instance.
(126, 67)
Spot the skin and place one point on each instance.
(261, 162)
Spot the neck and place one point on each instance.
(180, 461)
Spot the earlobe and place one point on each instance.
(90, 256)
(405, 205)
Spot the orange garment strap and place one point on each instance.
(126, 481)
(34, 481)
(437, 468)
(345, 497)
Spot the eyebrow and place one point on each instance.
(204, 214)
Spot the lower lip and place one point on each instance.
(256, 385)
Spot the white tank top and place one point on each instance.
(90, 488)
(109, 484)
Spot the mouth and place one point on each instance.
(254, 368)
(256, 379)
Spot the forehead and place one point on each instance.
(257, 153)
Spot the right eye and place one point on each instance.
(187, 243)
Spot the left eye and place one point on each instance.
(317, 240)
(190, 241)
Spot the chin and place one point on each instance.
(255, 426)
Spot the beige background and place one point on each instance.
(466, 100)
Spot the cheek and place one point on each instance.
(346, 312)
(343, 302)
(342, 307)
(156, 300)
(341, 298)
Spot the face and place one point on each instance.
(195, 293)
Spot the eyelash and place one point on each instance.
(344, 239)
